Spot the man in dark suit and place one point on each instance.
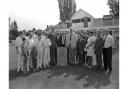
(98, 50)
(53, 50)
(80, 55)
(78, 47)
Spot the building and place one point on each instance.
(84, 21)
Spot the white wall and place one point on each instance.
(81, 14)
(77, 25)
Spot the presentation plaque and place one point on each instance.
(61, 56)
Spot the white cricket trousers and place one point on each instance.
(40, 59)
(46, 58)
(20, 60)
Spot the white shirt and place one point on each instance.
(39, 44)
(18, 41)
(34, 37)
(90, 40)
(47, 42)
(31, 42)
(109, 41)
(90, 50)
(42, 37)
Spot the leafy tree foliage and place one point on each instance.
(67, 8)
(114, 7)
(13, 30)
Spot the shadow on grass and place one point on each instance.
(92, 77)
(13, 74)
(97, 80)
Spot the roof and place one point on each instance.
(81, 11)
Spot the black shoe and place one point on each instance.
(99, 70)
(25, 72)
(104, 69)
(110, 71)
(34, 70)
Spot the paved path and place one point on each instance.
(69, 77)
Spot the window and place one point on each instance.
(107, 22)
(76, 21)
(86, 24)
(85, 19)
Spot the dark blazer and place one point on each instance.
(53, 40)
(99, 44)
(81, 43)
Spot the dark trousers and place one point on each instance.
(107, 58)
(89, 60)
(53, 55)
(80, 57)
(99, 59)
(68, 54)
(83, 56)
(33, 57)
(34, 61)
(24, 63)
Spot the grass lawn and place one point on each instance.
(68, 77)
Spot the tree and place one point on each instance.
(67, 8)
(114, 7)
(9, 21)
(15, 25)
(13, 30)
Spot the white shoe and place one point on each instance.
(86, 64)
(41, 67)
(44, 66)
(90, 67)
(18, 70)
(22, 70)
(28, 70)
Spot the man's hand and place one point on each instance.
(87, 47)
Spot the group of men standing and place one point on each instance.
(33, 51)
(99, 51)
(38, 50)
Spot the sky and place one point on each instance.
(40, 13)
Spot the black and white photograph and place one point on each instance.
(64, 44)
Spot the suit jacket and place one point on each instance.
(67, 39)
(71, 40)
(53, 40)
(81, 45)
(74, 39)
(99, 44)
